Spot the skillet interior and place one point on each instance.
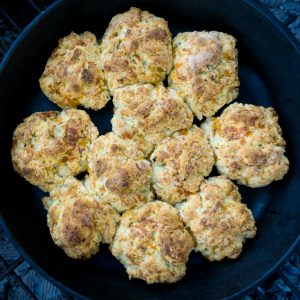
(269, 72)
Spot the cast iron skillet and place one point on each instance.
(269, 64)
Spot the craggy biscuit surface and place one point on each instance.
(217, 219)
(152, 243)
(205, 70)
(50, 146)
(77, 222)
(136, 48)
(118, 174)
(73, 74)
(146, 114)
(248, 145)
(180, 163)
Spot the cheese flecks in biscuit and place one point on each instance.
(73, 74)
(118, 174)
(248, 145)
(136, 48)
(146, 114)
(77, 222)
(180, 163)
(205, 70)
(152, 243)
(50, 146)
(218, 221)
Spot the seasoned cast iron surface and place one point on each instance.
(266, 62)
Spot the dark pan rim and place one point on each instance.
(255, 6)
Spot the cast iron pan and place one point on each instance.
(269, 67)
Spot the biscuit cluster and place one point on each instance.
(147, 192)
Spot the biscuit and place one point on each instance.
(73, 74)
(136, 48)
(219, 222)
(152, 243)
(180, 163)
(205, 70)
(118, 174)
(50, 146)
(77, 222)
(146, 114)
(248, 145)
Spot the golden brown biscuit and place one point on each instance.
(152, 243)
(50, 146)
(77, 222)
(180, 163)
(118, 174)
(205, 70)
(146, 114)
(248, 145)
(111, 145)
(136, 48)
(73, 74)
(218, 221)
